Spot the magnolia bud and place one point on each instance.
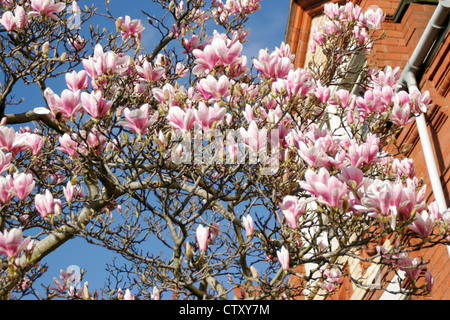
(119, 22)
(44, 49)
(63, 57)
(58, 207)
(254, 272)
(86, 294)
(120, 294)
(119, 112)
(75, 7)
(189, 252)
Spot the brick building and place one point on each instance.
(418, 41)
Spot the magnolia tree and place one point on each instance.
(210, 175)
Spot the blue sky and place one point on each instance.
(267, 31)
(268, 25)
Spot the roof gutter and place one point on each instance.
(408, 79)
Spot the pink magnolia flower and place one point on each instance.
(23, 185)
(404, 167)
(202, 237)
(220, 52)
(95, 104)
(272, 66)
(230, 8)
(323, 93)
(410, 200)
(283, 258)
(6, 186)
(295, 83)
(210, 87)
(11, 141)
(12, 243)
(327, 285)
(228, 52)
(155, 295)
(5, 161)
(411, 267)
(167, 95)
(215, 229)
(68, 145)
(138, 119)
(374, 18)
(292, 207)
(131, 29)
(66, 105)
(434, 210)
(248, 113)
(46, 7)
(332, 279)
(332, 275)
(45, 204)
(94, 140)
(8, 21)
(191, 44)
(401, 115)
(360, 34)
(248, 225)
(232, 147)
(180, 119)
(365, 153)
(181, 70)
(328, 189)
(105, 63)
(391, 199)
(420, 101)
(33, 142)
(382, 198)
(372, 102)
(70, 192)
(317, 35)
(315, 155)
(332, 10)
(331, 28)
(75, 7)
(77, 43)
(20, 17)
(209, 117)
(423, 224)
(149, 73)
(352, 176)
(65, 281)
(128, 295)
(387, 77)
(429, 281)
(255, 138)
(342, 98)
(77, 80)
(206, 60)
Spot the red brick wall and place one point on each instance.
(395, 50)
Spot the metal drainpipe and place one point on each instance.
(408, 79)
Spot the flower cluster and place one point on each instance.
(234, 7)
(343, 18)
